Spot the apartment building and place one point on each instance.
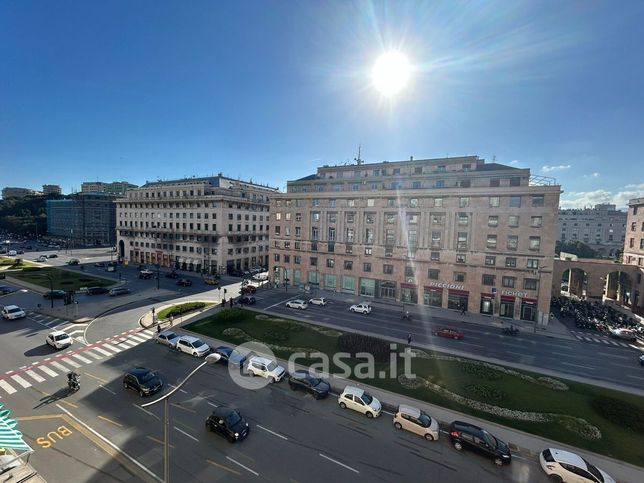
(13, 192)
(212, 224)
(455, 233)
(51, 189)
(601, 227)
(117, 188)
(634, 251)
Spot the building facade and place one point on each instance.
(634, 251)
(211, 225)
(454, 233)
(51, 189)
(87, 219)
(10, 192)
(602, 227)
(116, 188)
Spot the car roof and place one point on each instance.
(168, 333)
(11, 307)
(464, 425)
(562, 456)
(222, 411)
(264, 360)
(224, 348)
(139, 371)
(189, 338)
(58, 332)
(300, 300)
(356, 391)
(410, 410)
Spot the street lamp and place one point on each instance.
(51, 288)
(210, 358)
(158, 276)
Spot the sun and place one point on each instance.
(390, 73)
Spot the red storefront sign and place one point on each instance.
(506, 298)
(529, 301)
(488, 295)
(408, 285)
(458, 292)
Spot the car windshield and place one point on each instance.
(232, 419)
(489, 439)
(425, 420)
(15, 309)
(61, 337)
(147, 377)
(198, 343)
(314, 381)
(234, 354)
(367, 398)
(594, 470)
(271, 366)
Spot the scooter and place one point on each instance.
(509, 331)
(73, 381)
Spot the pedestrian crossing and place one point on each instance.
(605, 340)
(74, 330)
(66, 361)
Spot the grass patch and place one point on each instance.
(619, 416)
(62, 279)
(180, 309)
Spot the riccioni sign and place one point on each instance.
(456, 286)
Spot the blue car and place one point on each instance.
(230, 356)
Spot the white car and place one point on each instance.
(363, 308)
(625, 334)
(416, 421)
(12, 253)
(297, 304)
(41, 259)
(358, 400)
(261, 366)
(562, 465)
(318, 301)
(59, 339)
(261, 276)
(11, 312)
(192, 345)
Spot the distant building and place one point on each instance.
(51, 189)
(634, 251)
(116, 188)
(601, 227)
(9, 192)
(87, 219)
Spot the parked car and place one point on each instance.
(167, 337)
(73, 261)
(358, 400)
(171, 275)
(146, 274)
(318, 301)
(260, 276)
(469, 436)
(211, 281)
(228, 423)
(230, 356)
(119, 291)
(54, 294)
(297, 304)
(261, 366)
(192, 345)
(12, 312)
(642, 360)
(96, 290)
(59, 339)
(53, 255)
(100, 265)
(246, 300)
(184, 282)
(449, 333)
(20, 252)
(6, 289)
(562, 465)
(142, 380)
(249, 289)
(624, 334)
(42, 259)
(317, 387)
(363, 308)
(235, 273)
(416, 421)
(12, 253)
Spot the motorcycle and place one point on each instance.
(509, 331)
(73, 381)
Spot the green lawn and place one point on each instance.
(62, 279)
(181, 309)
(503, 387)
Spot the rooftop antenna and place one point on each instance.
(358, 160)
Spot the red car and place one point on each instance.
(449, 333)
(249, 289)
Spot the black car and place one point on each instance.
(5, 289)
(235, 273)
(228, 423)
(171, 275)
(184, 282)
(20, 252)
(99, 264)
(142, 380)
(96, 290)
(466, 435)
(314, 385)
(246, 300)
(230, 356)
(53, 255)
(54, 294)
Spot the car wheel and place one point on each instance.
(351, 310)
(316, 395)
(556, 478)
(343, 406)
(125, 385)
(250, 373)
(157, 341)
(208, 428)
(429, 437)
(498, 461)
(369, 415)
(141, 393)
(397, 425)
(458, 446)
(231, 439)
(292, 386)
(271, 380)
(195, 354)
(455, 337)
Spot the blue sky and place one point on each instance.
(269, 90)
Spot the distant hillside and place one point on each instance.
(26, 216)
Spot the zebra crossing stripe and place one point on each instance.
(85, 360)
(126, 343)
(111, 347)
(633, 346)
(614, 343)
(51, 322)
(605, 341)
(20, 381)
(98, 357)
(137, 339)
(101, 351)
(71, 362)
(7, 387)
(589, 339)
(34, 376)
(79, 331)
(59, 366)
(48, 371)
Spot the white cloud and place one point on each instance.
(581, 199)
(547, 168)
(592, 175)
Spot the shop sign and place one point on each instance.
(447, 285)
(513, 293)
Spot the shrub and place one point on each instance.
(354, 343)
(485, 393)
(619, 412)
(275, 336)
(231, 316)
(481, 372)
(181, 309)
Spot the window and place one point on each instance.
(538, 200)
(492, 221)
(436, 239)
(410, 271)
(459, 276)
(495, 182)
(313, 261)
(366, 267)
(535, 243)
(298, 216)
(315, 216)
(464, 201)
(315, 233)
(435, 256)
(368, 251)
(351, 203)
(278, 216)
(437, 219)
(508, 282)
(368, 238)
(330, 262)
(488, 280)
(298, 231)
(391, 202)
(515, 181)
(490, 260)
(351, 217)
(297, 259)
(494, 201)
(433, 274)
(460, 258)
(413, 202)
(412, 218)
(412, 239)
(286, 215)
(510, 262)
(370, 218)
(388, 269)
(515, 202)
(536, 221)
(530, 284)
(513, 221)
(513, 242)
(350, 235)
(438, 202)
(332, 203)
(332, 217)
(466, 183)
(348, 264)
(390, 218)
(330, 247)
(461, 241)
(331, 234)
(462, 219)
(371, 202)
(276, 257)
(348, 249)
(390, 236)
(491, 242)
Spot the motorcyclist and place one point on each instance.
(73, 380)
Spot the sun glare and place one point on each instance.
(390, 73)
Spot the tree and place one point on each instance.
(576, 248)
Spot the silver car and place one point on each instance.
(167, 337)
(297, 304)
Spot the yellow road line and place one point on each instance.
(159, 441)
(34, 418)
(223, 467)
(68, 403)
(96, 377)
(182, 407)
(110, 421)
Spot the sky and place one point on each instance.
(269, 90)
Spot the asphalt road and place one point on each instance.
(292, 438)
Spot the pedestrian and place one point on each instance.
(462, 310)
(409, 338)
(171, 320)
(231, 302)
(158, 327)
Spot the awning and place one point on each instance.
(464, 293)
(507, 298)
(9, 437)
(488, 295)
(408, 285)
(529, 301)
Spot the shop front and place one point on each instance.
(433, 296)
(529, 309)
(387, 290)
(487, 303)
(457, 299)
(368, 287)
(409, 293)
(506, 308)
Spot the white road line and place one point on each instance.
(147, 412)
(108, 390)
(84, 360)
(239, 464)
(71, 362)
(636, 377)
(212, 404)
(47, 371)
(186, 434)
(338, 463)
(613, 342)
(126, 344)
(273, 433)
(111, 347)
(7, 387)
(74, 332)
(577, 365)
(604, 341)
(59, 366)
(98, 357)
(619, 356)
(34, 376)
(101, 351)
(51, 322)
(20, 381)
(633, 346)
(138, 339)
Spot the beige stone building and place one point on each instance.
(209, 224)
(453, 233)
(117, 188)
(634, 251)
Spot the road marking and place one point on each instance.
(212, 404)
(338, 463)
(51, 322)
(84, 360)
(110, 421)
(636, 377)
(222, 467)
(59, 366)
(126, 343)
(633, 346)
(20, 381)
(48, 371)
(147, 412)
(273, 433)
(107, 389)
(96, 378)
(577, 365)
(101, 351)
(111, 347)
(71, 362)
(159, 441)
(239, 464)
(98, 357)
(79, 331)
(182, 407)
(34, 376)
(186, 434)
(605, 341)
(7, 387)
(140, 340)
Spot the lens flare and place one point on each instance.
(390, 73)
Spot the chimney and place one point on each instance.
(411, 158)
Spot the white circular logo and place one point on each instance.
(258, 375)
